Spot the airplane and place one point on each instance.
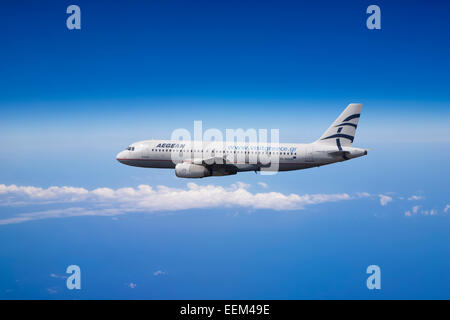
(199, 159)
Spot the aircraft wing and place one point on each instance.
(211, 161)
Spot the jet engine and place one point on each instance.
(189, 170)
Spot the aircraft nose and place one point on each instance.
(121, 156)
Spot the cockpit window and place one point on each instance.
(130, 148)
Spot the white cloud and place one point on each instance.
(159, 273)
(431, 212)
(384, 199)
(363, 194)
(414, 210)
(263, 184)
(414, 198)
(447, 207)
(39, 193)
(132, 285)
(145, 198)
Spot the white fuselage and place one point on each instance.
(238, 156)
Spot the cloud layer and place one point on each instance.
(144, 198)
(26, 203)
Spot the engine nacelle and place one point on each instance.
(189, 170)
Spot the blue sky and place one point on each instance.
(70, 100)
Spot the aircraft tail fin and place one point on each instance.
(342, 131)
